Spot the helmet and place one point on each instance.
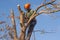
(27, 6)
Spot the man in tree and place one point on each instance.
(33, 22)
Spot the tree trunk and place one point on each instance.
(22, 33)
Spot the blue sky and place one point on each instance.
(46, 22)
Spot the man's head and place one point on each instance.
(27, 6)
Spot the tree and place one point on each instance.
(13, 32)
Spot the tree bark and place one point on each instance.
(22, 34)
(22, 25)
(14, 24)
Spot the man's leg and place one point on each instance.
(30, 30)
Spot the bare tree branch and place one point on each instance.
(10, 34)
(45, 4)
(22, 25)
(14, 24)
(57, 6)
(1, 29)
(21, 15)
(1, 22)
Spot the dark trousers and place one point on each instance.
(31, 27)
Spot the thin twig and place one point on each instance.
(45, 4)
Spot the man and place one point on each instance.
(33, 22)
